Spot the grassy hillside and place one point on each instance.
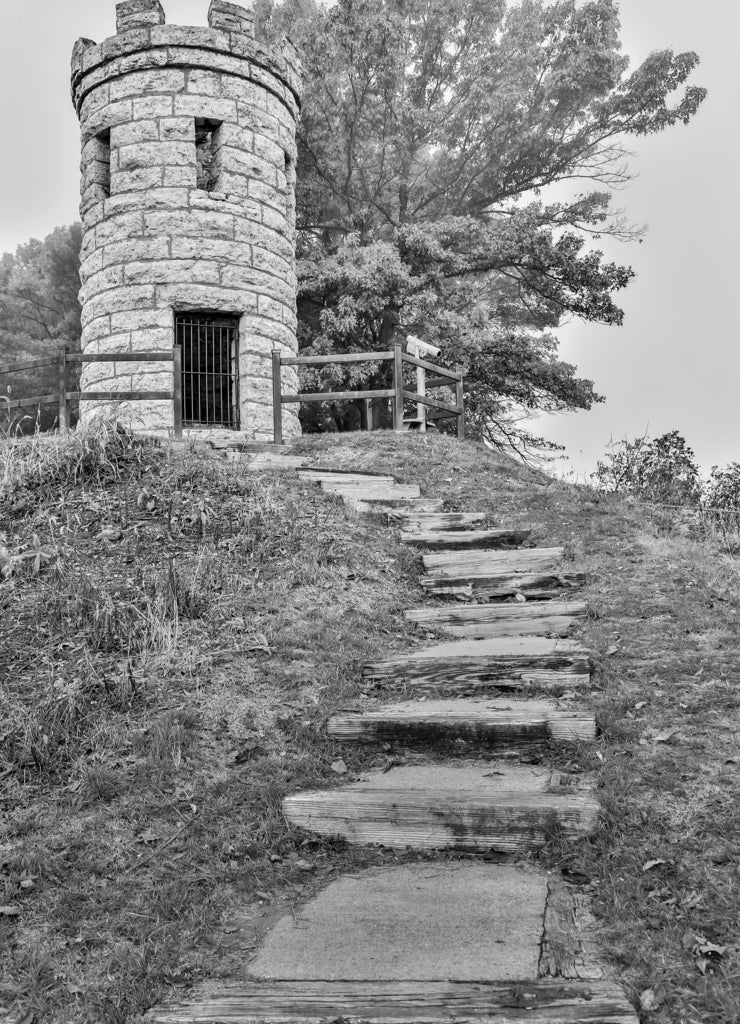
(174, 632)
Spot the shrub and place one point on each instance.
(662, 470)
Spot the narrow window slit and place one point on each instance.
(207, 154)
(101, 165)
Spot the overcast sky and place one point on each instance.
(675, 364)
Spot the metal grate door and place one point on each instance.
(210, 369)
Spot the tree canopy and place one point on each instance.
(430, 129)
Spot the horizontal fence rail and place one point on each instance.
(63, 395)
(443, 377)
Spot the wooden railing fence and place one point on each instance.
(62, 396)
(397, 394)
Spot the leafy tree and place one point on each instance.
(722, 490)
(662, 470)
(429, 130)
(39, 309)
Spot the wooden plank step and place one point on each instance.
(350, 479)
(500, 723)
(414, 521)
(379, 506)
(457, 539)
(492, 586)
(372, 492)
(540, 1001)
(335, 471)
(394, 507)
(261, 461)
(454, 815)
(455, 563)
(499, 662)
(478, 621)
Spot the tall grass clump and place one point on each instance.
(43, 464)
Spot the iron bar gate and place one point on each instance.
(209, 343)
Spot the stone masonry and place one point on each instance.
(188, 201)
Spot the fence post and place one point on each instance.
(460, 405)
(368, 407)
(277, 398)
(398, 385)
(63, 417)
(177, 391)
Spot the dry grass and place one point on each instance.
(174, 634)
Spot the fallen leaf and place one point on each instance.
(612, 651)
(339, 766)
(666, 736)
(709, 948)
(650, 999)
(650, 864)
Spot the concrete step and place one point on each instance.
(500, 724)
(485, 806)
(478, 621)
(452, 540)
(498, 662)
(429, 943)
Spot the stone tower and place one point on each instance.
(188, 211)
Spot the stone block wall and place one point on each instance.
(187, 200)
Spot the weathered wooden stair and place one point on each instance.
(490, 724)
(408, 1002)
(441, 942)
(481, 621)
(495, 662)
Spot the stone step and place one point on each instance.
(497, 585)
(478, 621)
(487, 806)
(412, 1002)
(526, 560)
(459, 539)
(416, 521)
(496, 723)
(497, 662)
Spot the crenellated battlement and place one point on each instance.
(143, 41)
(133, 14)
(227, 17)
